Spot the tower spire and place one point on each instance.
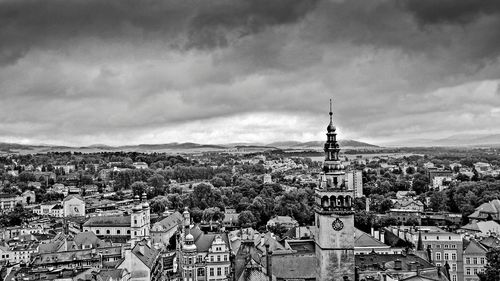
(331, 112)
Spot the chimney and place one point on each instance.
(269, 263)
(429, 253)
(367, 204)
(372, 231)
(398, 264)
(382, 236)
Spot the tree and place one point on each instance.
(218, 182)
(139, 187)
(213, 214)
(492, 268)
(159, 204)
(438, 202)
(157, 181)
(463, 177)
(246, 219)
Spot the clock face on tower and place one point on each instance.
(337, 225)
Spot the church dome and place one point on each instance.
(189, 243)
(331, 127)
(137, 208)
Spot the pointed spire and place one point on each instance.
(331, 112)
(330, 127)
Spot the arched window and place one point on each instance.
(333, 201)
(340, 201)
(348, 201)
(324, 202)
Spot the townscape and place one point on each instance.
(252, 213)
(250, 140)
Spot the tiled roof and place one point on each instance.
(388, 260)
(475, 248)
(490, 242)
(87, 238)
(68, 256)
(293, 266)
(109, 221)
(148, 256)
(111, 274)
(170, 221)
(363, 239)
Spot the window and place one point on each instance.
(454, 256)
(454, 277)
(211, 258)
(211, 272)
(438, 256)
(190, 260)
(475, 270)
(135, 221)
(108, 231)
(467, 260)
(128, 231)
(118, 231)
(219, 271)
(453, 246)
(474, 260)
(446, 246)
(218, 257)
(482, 260)
(454, 267)
(199, 259)
(446, 256)
(201, 271)
(225, 258)
(438, 246)
(97, 231)
(226, 271)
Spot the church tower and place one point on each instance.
(334, 215)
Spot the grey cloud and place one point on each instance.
(28, 24)
(450, 11)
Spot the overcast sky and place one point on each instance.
(154, 71)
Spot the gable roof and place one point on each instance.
(483, 226)
(490, 242)
(170, 221)
(363, 239)
(146, 254)
(108, 221)
(204, 241)
(87, 238)
(474, 248)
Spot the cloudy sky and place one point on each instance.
(80, 72)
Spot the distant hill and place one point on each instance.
(319, 144)
(459, 140)
(176, 147)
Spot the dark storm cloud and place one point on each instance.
(27, 24)
(450, 11)
(234, 70)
